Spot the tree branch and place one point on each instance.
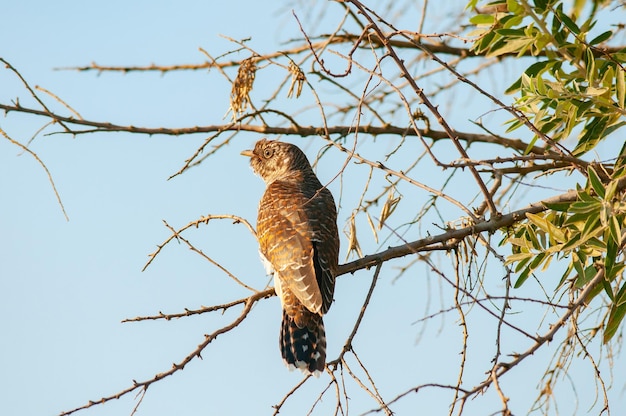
(208, 338)
(433, 47)
(294, 130)
(457, 234)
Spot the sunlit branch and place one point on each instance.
(209, 259)
(294, 130)
(267, 293)
(489, 226)
(208, 338)
(426, 43)
(202, 220)
(43, 165)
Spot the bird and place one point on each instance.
(299, 244)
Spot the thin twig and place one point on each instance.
(267, 293)
(202, 220)
(209, 259)
(208, 338)
(348, 344)
(43, 165)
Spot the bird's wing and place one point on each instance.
(325, 244)
(285, 240)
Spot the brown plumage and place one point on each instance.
(298, 239)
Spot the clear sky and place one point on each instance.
(65, 286)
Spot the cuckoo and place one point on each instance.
(299, 244)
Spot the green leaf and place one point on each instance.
(539, 258)
(584, 207)
(620, 298)
(574, 241)
(540, 67)
(530, 146)
(601, 38)
(578, 262)
(558, 34)
(595, 181)
(514, 87)
(615, 230)
(511, 33)
(514, 7)
(611, 189)
(596, 244)
(518, 257)
(482, 19)
(585, 196)
(591, 135)
(558, 206)
(620, 88)
(510, 46)
(609, 260)
(522, 264)
(614, 127)
(531, 235)
(576, 222)
(566, 275)
(608, 289)
(532, 71)
(546, 226)
(592, 227)
(615, 318)
(512, 20)
(617, 270)
(567, 21)
(483, 42)
(471, 5)
(590, 63)
(542, 5)
(522, 278)
(585, 276)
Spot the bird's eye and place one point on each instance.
(268, 152)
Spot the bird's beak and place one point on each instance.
(248, 153)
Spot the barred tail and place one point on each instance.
(303, 348)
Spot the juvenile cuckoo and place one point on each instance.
(299, 243)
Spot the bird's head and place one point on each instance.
(273, 160)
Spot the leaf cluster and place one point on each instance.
(576, 86)
(589, 233)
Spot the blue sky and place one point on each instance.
(65, 286)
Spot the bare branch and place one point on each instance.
(433, 47)
(457, 234)
(202, 220)
(295, 130)
(43, 165)
(348, 344)
(208, 338)
(209, 259)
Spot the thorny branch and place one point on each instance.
(294, 130)
(208, 338)
(43, 165)
(433, 47)
(195, 224)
